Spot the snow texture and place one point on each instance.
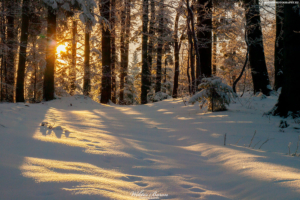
(110, 151)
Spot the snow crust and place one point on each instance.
(96, 151)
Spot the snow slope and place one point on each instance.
(95, 151)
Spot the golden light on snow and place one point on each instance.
(88, 179)
(95, 140)
(249, 165)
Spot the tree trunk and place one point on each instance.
(123, 55)
(113, 52)
(176, 56)
(106, 56)
(50, 55)
(159, 49)
(151, 39)
(259, 71)
(192, 57)
(22, 53)
(145, 67)
(3, 41)
(87, 79)
(214, 54)
(10, 68)
(290, 97)
(279, 47)
(204, 19)
(127, 41)
(72, 70)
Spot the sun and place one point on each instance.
(61, 48)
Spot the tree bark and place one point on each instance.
(72, 70)
(113, 52)
(87, 79)
(288, 102)
(176, 56)
(127, 41)
(106, 55)
(22, 53)
(204, 35)
(3, 41)
(279, 47)
(50, 55)
(123, 56)
(151, 38)
(10, 68)
(145, 67)
(192, 57)
(258, 65)
(159, 49)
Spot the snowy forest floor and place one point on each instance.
(96, 151)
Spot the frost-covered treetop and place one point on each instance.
(85, 6)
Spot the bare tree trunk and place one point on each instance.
(22, 53)
(258, 65)
(87, 79)
(123, 56)
(188, 73)
(204, 19)
(192, 57)
(50, 55)
(145, 67)
(3, 35)
(106, 55)
(279, 47)
(159, 49)
(176, 55)
(113, 52)
(288, 102)
(214, 54)
(127, 41)
(72, 70)
(151, 39)
(10, 68)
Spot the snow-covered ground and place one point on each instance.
(93, 151)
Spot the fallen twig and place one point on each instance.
(239, 140)
(265, 142)
(252, 138)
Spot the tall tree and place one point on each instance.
(145, 67)
(288, 102)
(72, 70)
(86, 77)
(127, 39)
(3, 57)
(176, 55)
(123, 52)
(151, 37)
(22, 53)
(10, 67)
(113, 51)
(159, 47)
(279, 46)
(106, 54)
(50, 55)
(257, 60)
(204, 36)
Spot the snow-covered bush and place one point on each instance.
(214, 94)
(159, 96)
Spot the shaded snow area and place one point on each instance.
(74, 148)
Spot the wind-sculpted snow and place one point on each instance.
(74, 148)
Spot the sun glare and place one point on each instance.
(61, 48)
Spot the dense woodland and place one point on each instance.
(135, 52)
